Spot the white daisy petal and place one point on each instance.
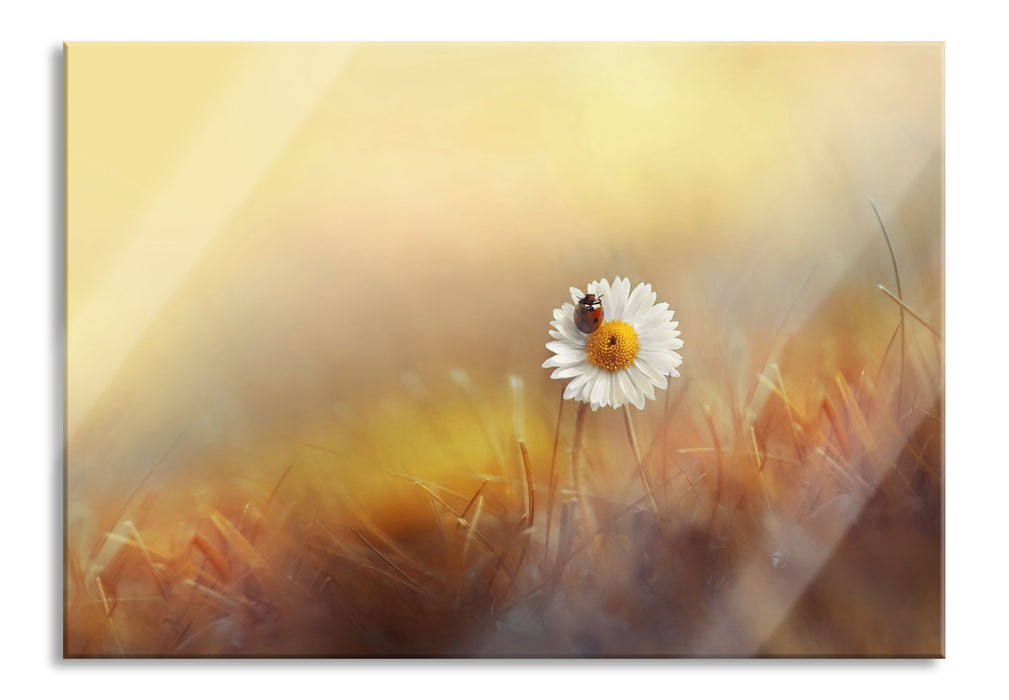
(572, 335)
(602, 287)
(639, 396)
(568, 338)
(576, 387)
(615, 302)
(659, 359)
(560, 346)
(568, 361)
(642, 381)
(572, 390)
(654, 317)
(553, 363)
(564, 323)
(630, 392)
(597, 375)
(654, 376)
(576, 295)
(655, 322)
(638, 304)
(604, 397)
(569, 353)
(661, 338)
(600, 391)
(566, 372)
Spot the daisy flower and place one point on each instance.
(632, 352)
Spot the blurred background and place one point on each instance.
(268, 240)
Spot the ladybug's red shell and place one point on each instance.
(589, 313)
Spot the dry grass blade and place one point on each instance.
(161, 556)
(104, 598)
(914, 314)
(424, 484)
(438, 519)
(718, 463)
(853, 481)
(412, 581)
(473, 500)
(528, 518)
(133, 494)
(213, 556)
(147, 557)
(796, 441)
(772, 343)
(760, 459)
(855, 415)
(237, 541)
(470, 527)
(900, 294)
(108, 615)
(438, 498)
(779, 391)
(839, 432)
(217, 599)
(276, 487)
(460, 519)
(766, 456)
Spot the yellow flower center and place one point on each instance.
(613, 346)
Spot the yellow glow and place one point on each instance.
(163, 147)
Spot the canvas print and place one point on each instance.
(504, 350)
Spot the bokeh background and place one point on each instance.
(302, 268)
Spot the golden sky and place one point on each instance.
(257, 232)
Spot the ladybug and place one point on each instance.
(589, 313)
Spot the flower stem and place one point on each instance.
(576, 468)
(552, 485)
(637, 457)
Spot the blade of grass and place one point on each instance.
(904, 307)
(900, 294)
(552, 486)
(413, 582)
